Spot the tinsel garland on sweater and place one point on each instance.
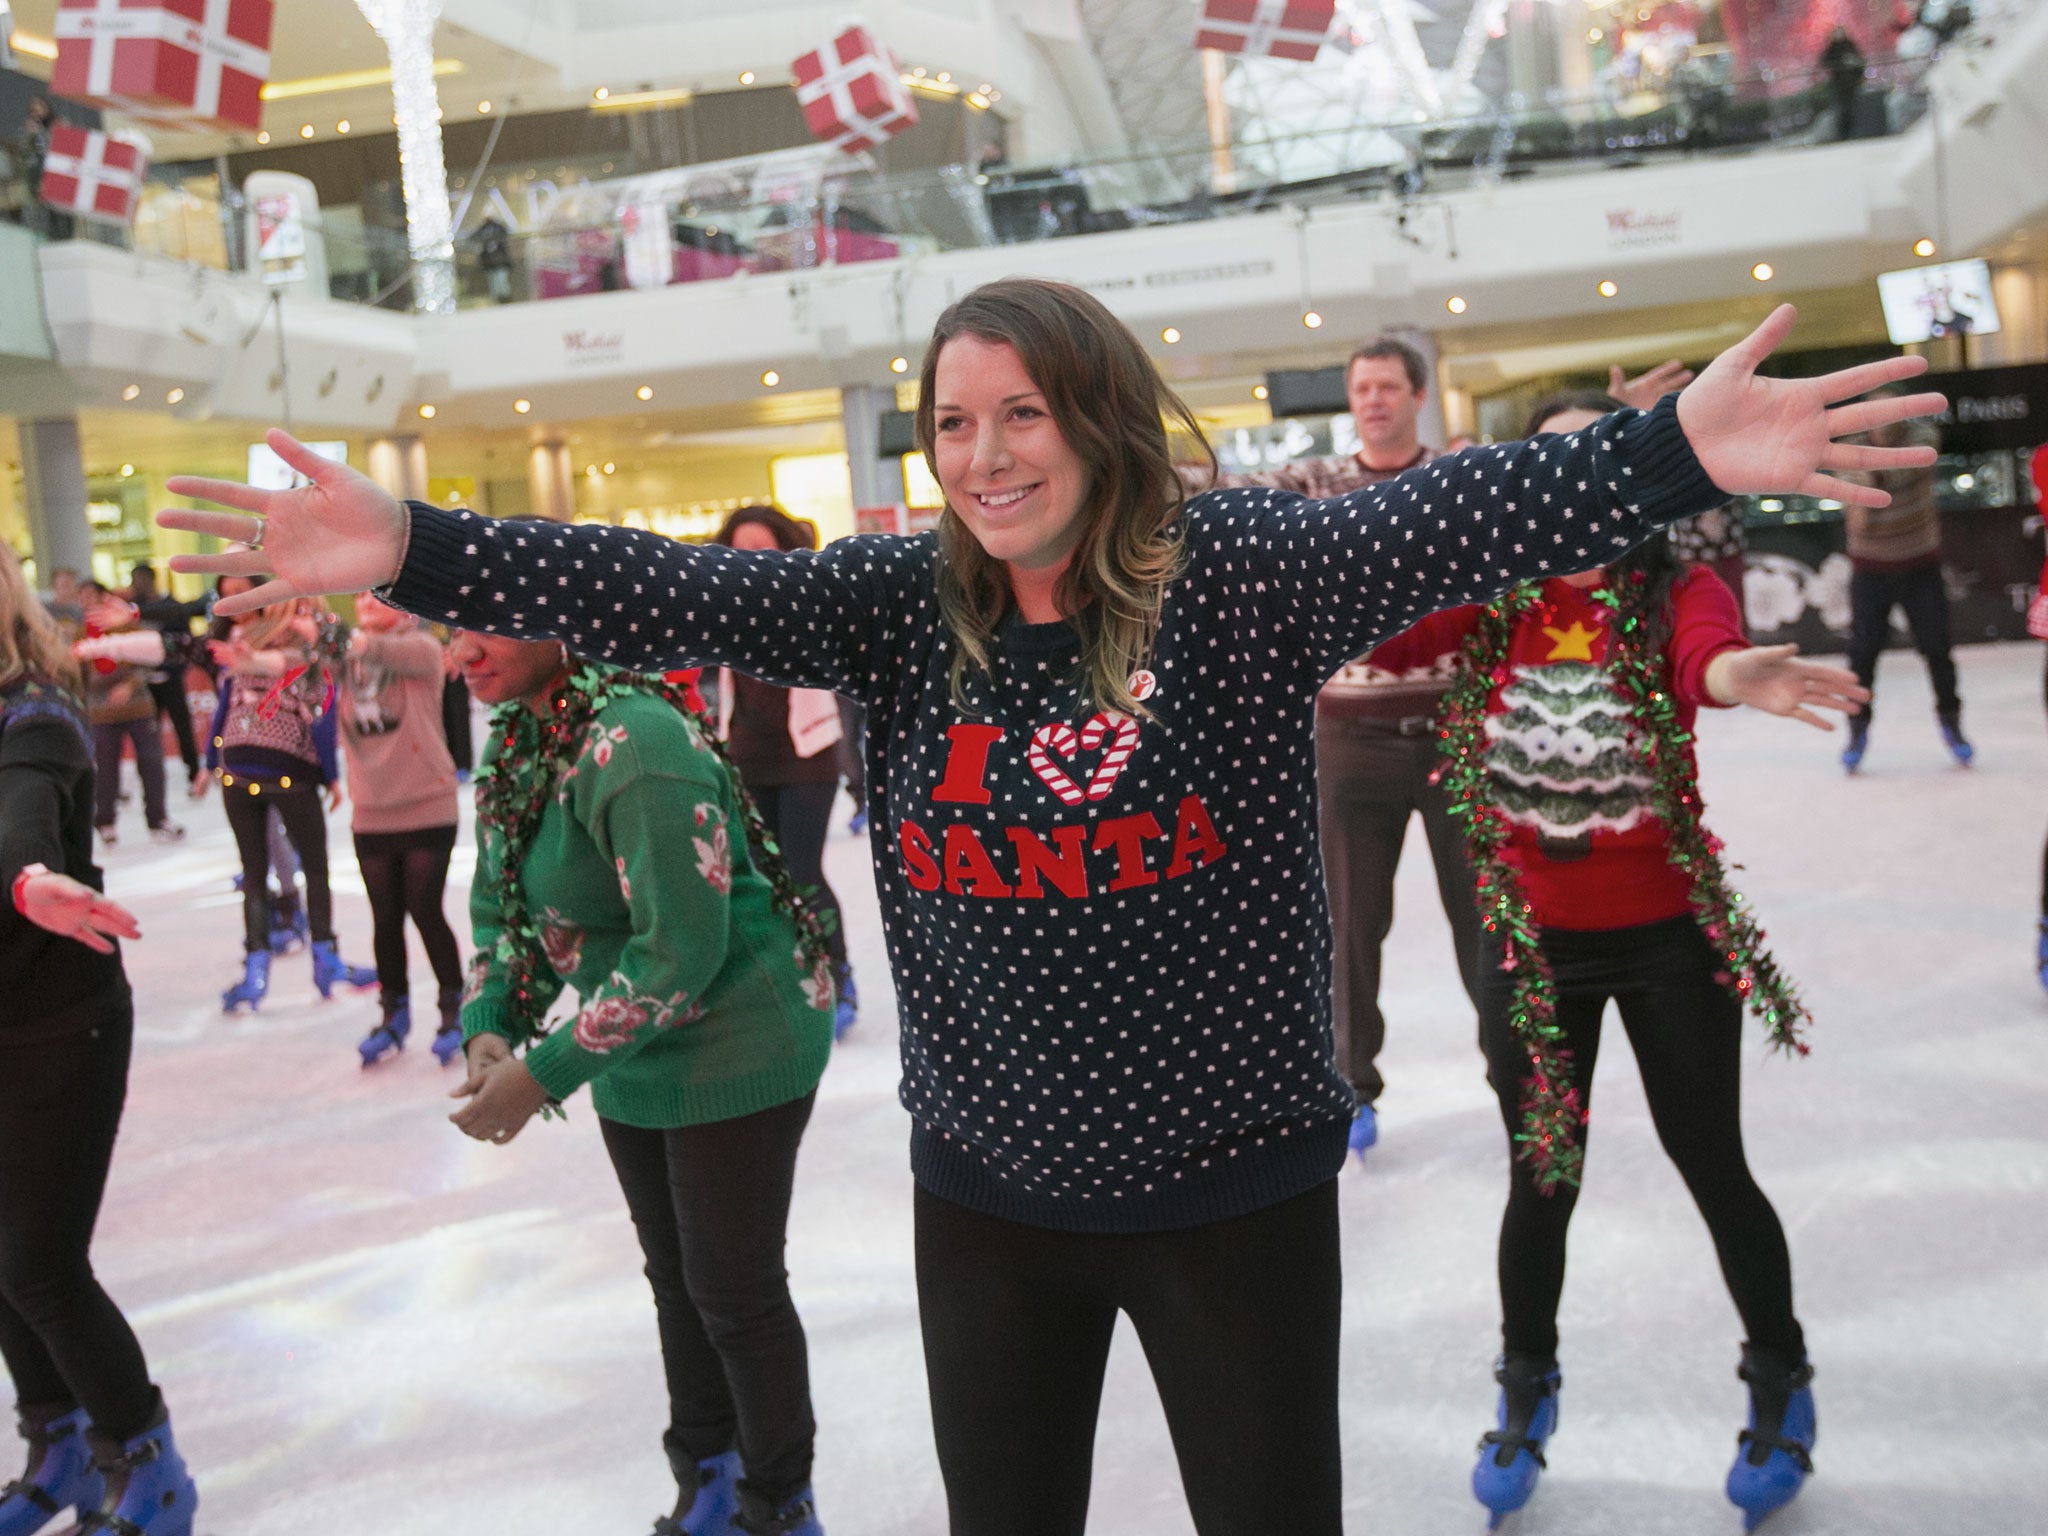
(513, 793)
(1552, 1111)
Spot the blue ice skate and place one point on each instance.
(713, 1487)
(448, 1038)
(2041, 953)
(149, 1492)
(1859, 743)
(388, 1038)
(1774, 1456)
(249, 991)
(329, 967)
(1365, 1130)
(1511, 1457)
(59, 1476)
(847, 1008)
(796, 1516)
(1952, 738)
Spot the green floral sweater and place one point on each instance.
(698, 1003)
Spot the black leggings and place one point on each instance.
(800, 815)
(711, 1206)
(1238, 1319)
(1686, 1030)
(405, 874)
(1872, 596)
(65, 1343)
(305, 823)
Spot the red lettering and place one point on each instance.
(919, 868)
(1067, 869)
(967, 765)
(1127, 834)
(969, 871)
(1195, 842)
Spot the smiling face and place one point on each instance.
(1006, 470)
(499, 670)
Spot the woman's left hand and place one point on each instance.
(1754, 435)
(1774, 679)
(502, 1097)
(72, 909)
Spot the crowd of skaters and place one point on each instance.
(661, 861)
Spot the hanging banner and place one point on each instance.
(280, 239)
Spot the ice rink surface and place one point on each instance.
(366, 1323)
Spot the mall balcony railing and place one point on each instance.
(757, 216)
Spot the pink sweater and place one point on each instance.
(400, 775)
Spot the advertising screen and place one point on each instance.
(1950, 298)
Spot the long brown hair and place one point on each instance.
(31, 644)
(1114, 411)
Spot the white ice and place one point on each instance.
(367, 1324)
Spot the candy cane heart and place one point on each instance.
(1123, 744)
(1057, 737)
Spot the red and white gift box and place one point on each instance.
(1280, 29)
(92, 174)
(852, 94)
(183, 63)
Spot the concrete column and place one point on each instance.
(399, 464)
(877, 482)
(1547, 52)
(1429, 421)
(53, 486)
(549, 483)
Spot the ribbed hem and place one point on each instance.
(1667, 474)
(1246, 1173)
(665, 1106)
(482, 1018)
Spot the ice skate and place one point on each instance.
(59, 1475)
(249, 991)
(1773, 1455)
(388, 1038)
(1859, 743)
(797, 1516)
(1952, 738)
(1365, 1130)
(707, 1496)
(1511, 1456)
(448, 1038)
(847, 1008)
(329, 967)
(148, 1490)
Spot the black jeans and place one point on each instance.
(405, 874)
(170, 700)
(1371, 778)
(106, 767)
(799, 815)
(1686, 1030)
(305, 823)
(1238, 1319)
(711, 1206)
(1872, 596)
(65, 1343)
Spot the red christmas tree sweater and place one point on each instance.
(1564, 754)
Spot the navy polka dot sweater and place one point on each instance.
(1110, 941)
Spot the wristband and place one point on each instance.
(28, 873)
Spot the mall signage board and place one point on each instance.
(181, 63)
(852, 93)
(1279, 29)
(93, 174)
(1990, 409)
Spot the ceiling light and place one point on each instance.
(746, 77)
(1923, 247)
(131, 391)
(342, 126)
(522, 406)
(1170, 335)
(918, 73)
(1311, 319)
(320, 85)
(771, 378)
(1259, 391)
(483, 107)
(305, 130)
(174, 397)
(426, 413)
(1763, 272)
(1607, 288)
(1455, 304)
(984, 87)
(609, 466)
(945, 78)
(127, 471)
(644, 392)
(263, 137)
(602, 93)
(976, 100)
(40, 47)
(899, 365)
(1594, 34)
(590, 471)
(629, 101)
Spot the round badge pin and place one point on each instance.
(1143, 685)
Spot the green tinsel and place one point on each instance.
(513, 792)
(1552, 1110)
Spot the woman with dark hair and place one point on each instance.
(99, 1436)
(1568, 738)
(1092, 781)
(784, 742)
(618, 856)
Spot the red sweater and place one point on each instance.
(1565, 767)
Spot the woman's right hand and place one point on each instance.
(342, 533)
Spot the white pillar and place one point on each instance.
(549, 483)
(399, 464)
(407, 28)
(1429, 420)
(53, 485)
(877, 482)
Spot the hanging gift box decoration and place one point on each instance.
(852, 93)
(92, 175)
(1280, 29)
(191, 64)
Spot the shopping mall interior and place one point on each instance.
(616, 262)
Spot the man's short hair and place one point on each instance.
(1411, 360)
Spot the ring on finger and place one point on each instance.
(255, 540)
